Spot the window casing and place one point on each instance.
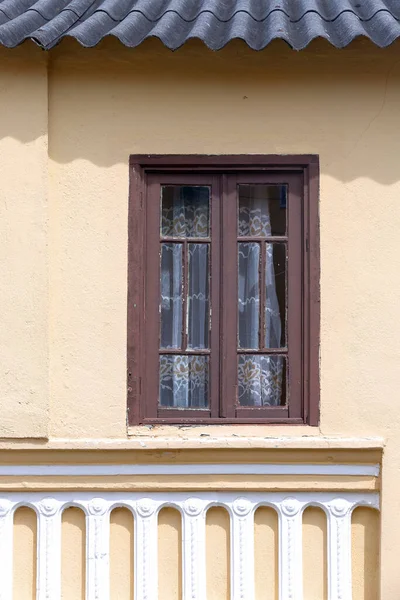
(223, 290)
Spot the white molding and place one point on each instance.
(188, 469)
(48, 580)
(339, 550)
(242, 550)
(145, 511)
(97, 550)
(194, 549)
(290, 550)
(146, 549)
(6, 549)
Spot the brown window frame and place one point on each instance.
(147, 173)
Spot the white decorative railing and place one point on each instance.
(193, 510)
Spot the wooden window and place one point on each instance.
(223, 292)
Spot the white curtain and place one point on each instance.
(259, 377)
(184, 379)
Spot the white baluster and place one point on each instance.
(48, 580)
(242, 550)
(339, 550)
(97, 550)
(6, 550)
(146, 557)
(194, 550)
(290, 550)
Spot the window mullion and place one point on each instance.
(215, 296)
(229, 298)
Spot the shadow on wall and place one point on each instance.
(108, 102)
(23, 93)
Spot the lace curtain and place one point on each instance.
(184, 379)
(259, 377)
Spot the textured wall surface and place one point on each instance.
(66, 132)
(24, 292)
(342, 106)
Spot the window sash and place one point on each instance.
(230, 352)
(150, 392)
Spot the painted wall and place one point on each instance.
(68, 122)
(343, 106)
(24, 272)
(65, 144)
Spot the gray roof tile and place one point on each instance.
(215, 22)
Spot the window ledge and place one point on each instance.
(189, 440)
(138, 439)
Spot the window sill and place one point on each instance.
(176, 437)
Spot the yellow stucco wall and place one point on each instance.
(68, 122)
(342, 106)
(68, 250)
(24, 272)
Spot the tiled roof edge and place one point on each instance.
(297, 23)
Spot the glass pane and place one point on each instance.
(248, 294)
(198, 296)
(183, 381)
(262, 210)
(275, 296)
(171, 295)
(261, 380)
(185, 211)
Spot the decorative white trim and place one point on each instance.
(194, 549)
(146, 549)
(242, 550)
(145, 511)
(48, 581)
(339, 550)
(97, 549)
(190, 469)
(6, 549)
(290, 550)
